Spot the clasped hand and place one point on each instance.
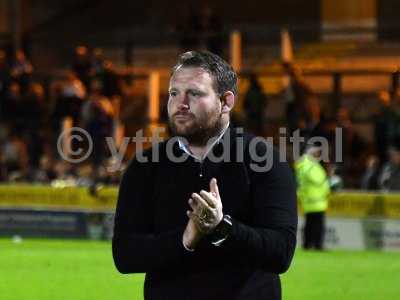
(205, 215)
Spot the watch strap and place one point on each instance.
(222, 231)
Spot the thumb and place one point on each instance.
(214, 187)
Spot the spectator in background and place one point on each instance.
(97, 64)
(82, 65)
(4, 78)
(97, 119)
(14, 157)
(65, 173)
(393, 119)
(34, 114)
(389, 178)
(311, 122)
(21, 70)
(69, 98)
(73, 93)
(312, 190)
(382, 119)
(45, 173)
(353, 147)
(296, 95)
(25, 115)
(24, 111)
(55, 114)
(343, 121)
(3, 176)
(13, 107)
(35, 106)
(255, 102)
(4, 81)
(110, 80)
(369, 180)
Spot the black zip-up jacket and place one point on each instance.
(151, 218)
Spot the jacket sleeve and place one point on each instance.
(269, 239)
(316, 175)
(136, 249)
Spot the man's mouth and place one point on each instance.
(181, 116)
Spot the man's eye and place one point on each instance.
(195, 94)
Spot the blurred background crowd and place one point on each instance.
(89, 86)
(32, 115)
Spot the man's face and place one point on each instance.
(194, 108)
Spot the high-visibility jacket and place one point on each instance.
(312, 184)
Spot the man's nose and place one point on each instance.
(184, 102)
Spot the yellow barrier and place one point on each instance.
(358, 204)
(344, 204)
(36, 196)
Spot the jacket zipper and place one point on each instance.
(201, 169)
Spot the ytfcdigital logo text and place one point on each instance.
(75, 145)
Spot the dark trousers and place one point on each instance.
(314, 231)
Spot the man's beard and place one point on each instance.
(201, 129)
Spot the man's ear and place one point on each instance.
(227, 101)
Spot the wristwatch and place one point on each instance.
(222, 231)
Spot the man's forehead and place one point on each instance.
(194, 75)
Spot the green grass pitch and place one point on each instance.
(82, 270)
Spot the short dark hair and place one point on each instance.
(225, 78)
